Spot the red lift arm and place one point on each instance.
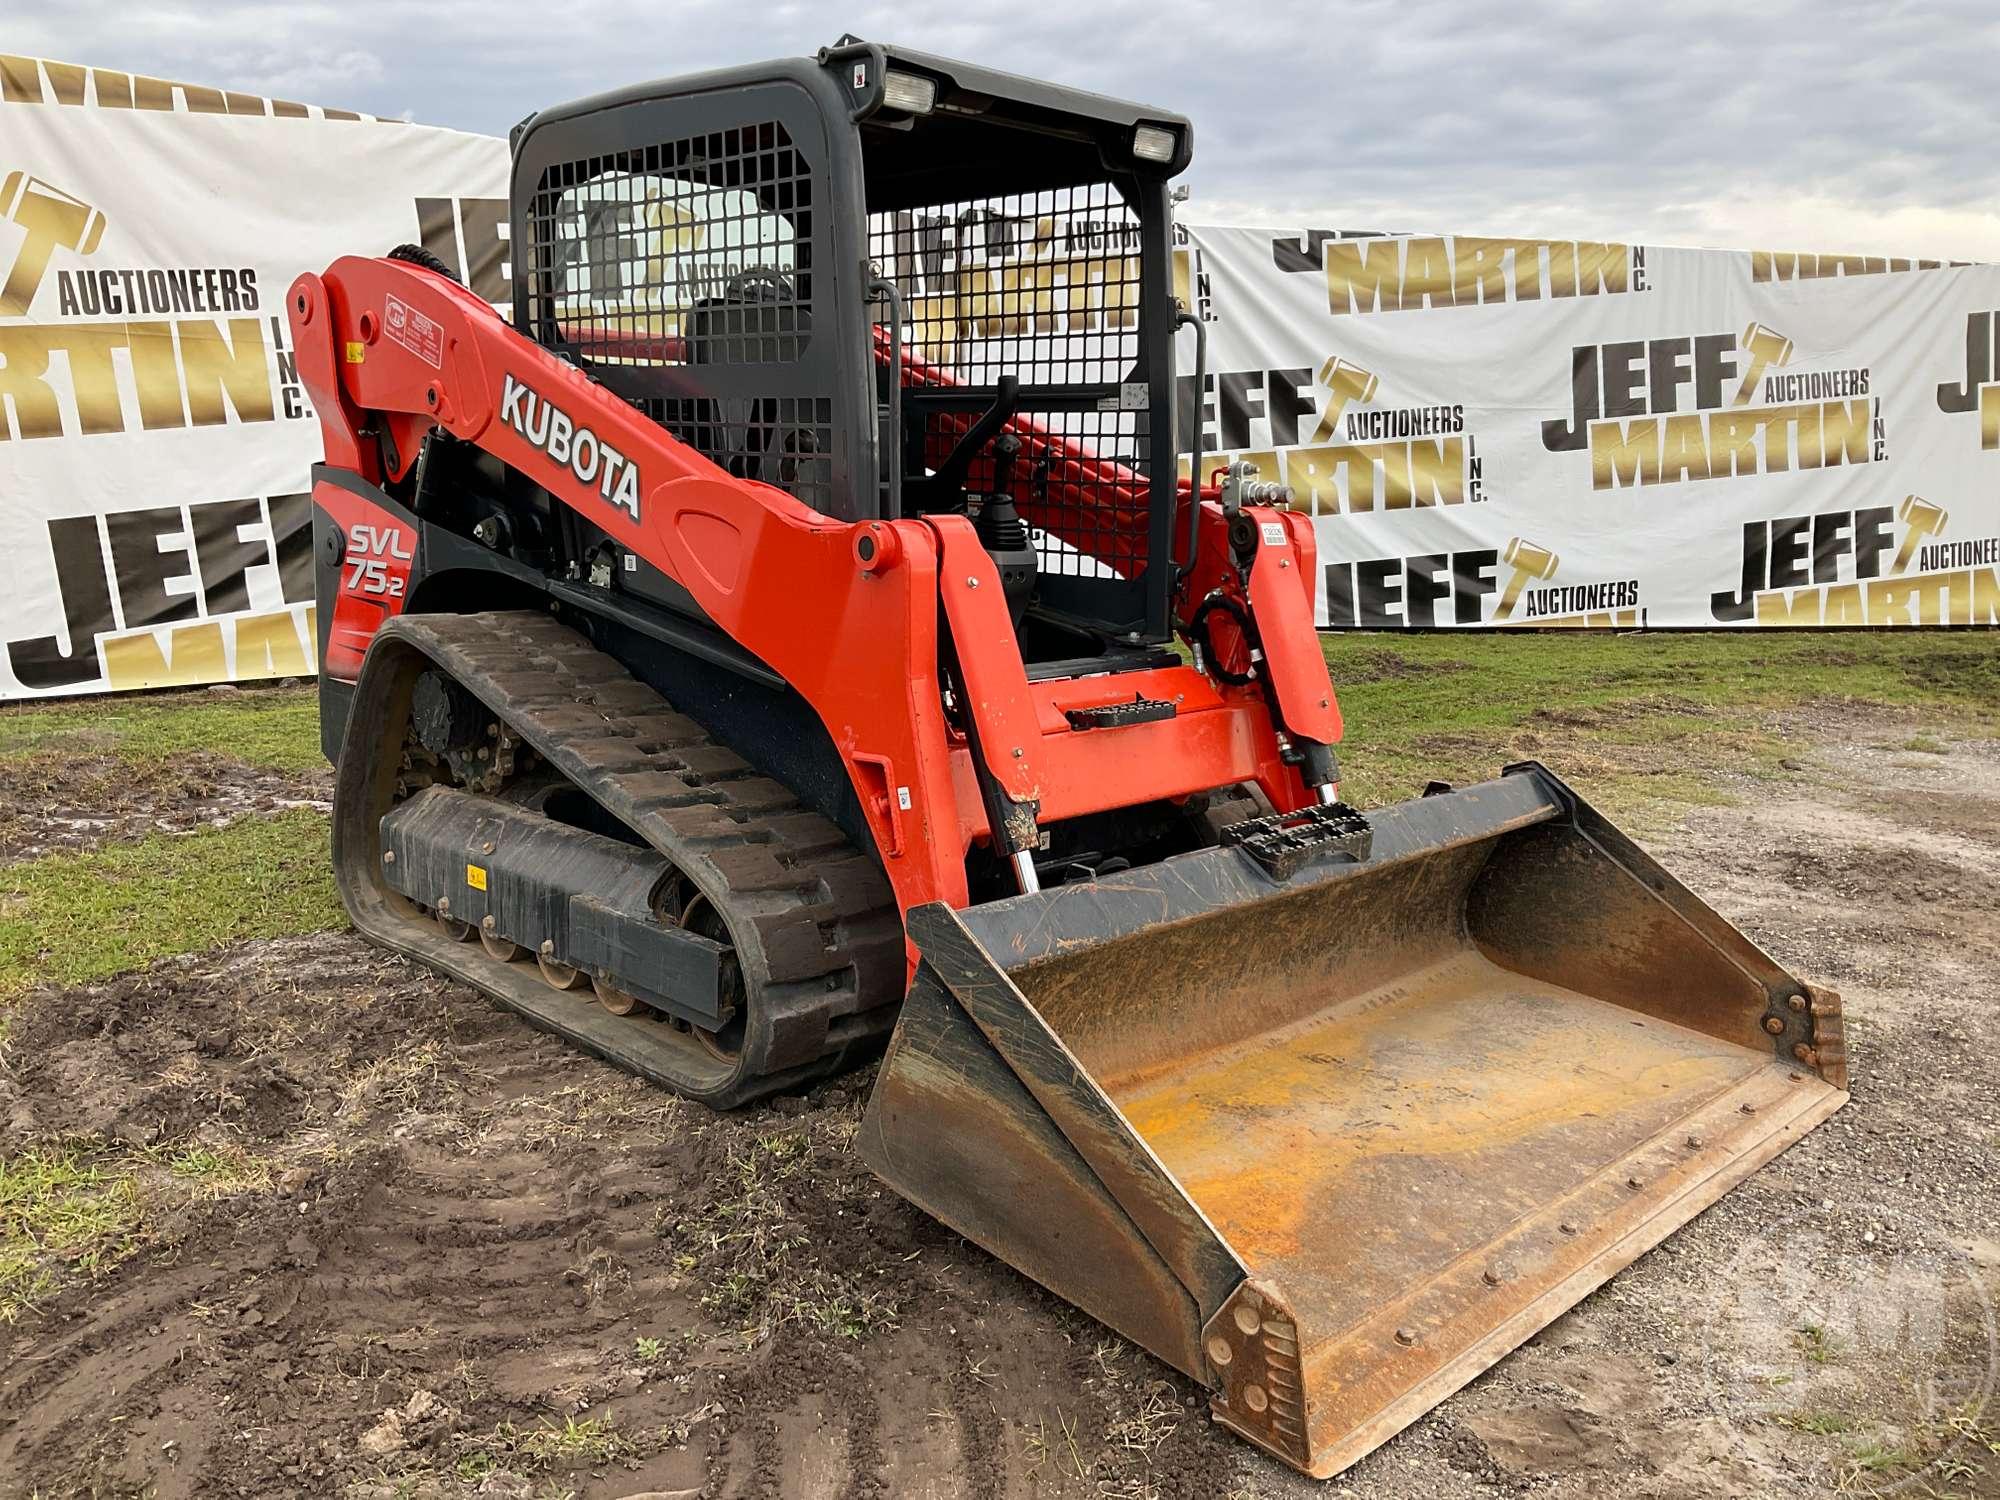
(845, 611)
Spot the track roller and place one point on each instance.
(496, 946)
(559, 975)
(618, 1002)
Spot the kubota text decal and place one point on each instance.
(578, 449)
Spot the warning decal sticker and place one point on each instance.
(422, 336)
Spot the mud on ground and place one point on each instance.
(63, 800)
(449, 1257)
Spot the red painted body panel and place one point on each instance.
(374, 576)
(1281, 602)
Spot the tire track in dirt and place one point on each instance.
(455, 1207)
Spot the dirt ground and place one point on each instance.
(444, 1255)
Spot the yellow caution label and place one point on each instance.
(475, 877)
(356, 352)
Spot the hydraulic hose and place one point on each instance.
(1205, 648)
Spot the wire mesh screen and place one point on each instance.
(782, 440)
(692, 253)
(1044, 287)
(1077, 480)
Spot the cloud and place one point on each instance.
(1824, 124)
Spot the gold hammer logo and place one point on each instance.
(53, 220)
(1344, 382)
(1766, 347)
(1530, 563)
(1923, 520)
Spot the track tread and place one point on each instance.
(818, 933)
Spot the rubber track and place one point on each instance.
(817, 931)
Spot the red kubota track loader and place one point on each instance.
(762, 651)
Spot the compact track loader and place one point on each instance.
(760, 656)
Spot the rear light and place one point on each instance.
(910, 92)
(1154, 143)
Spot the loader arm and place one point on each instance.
(801, 606)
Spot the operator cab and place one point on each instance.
(892, 285)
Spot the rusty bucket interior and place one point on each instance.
(1333, 1142)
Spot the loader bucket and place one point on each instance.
(1333, 1141)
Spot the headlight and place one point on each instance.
(910, 92)
(1154, 143)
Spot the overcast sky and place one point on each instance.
(1826, 126)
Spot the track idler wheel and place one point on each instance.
(457, 931)
(725, 1044)
(558, 975)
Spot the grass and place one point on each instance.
(1061, 1449)
(1872, 1456)
(79, 1208)
(1818, 1423)
(1154, 1418)
(75, 1209)
(1643, 722)
(1639, 717)
(61, 1205)
(217, 1172)
(1968, 1426)
(474, 1467)
(1948, 1451)
(1819, 1346)
(73, 918)
(584, 1444)
(274, 727)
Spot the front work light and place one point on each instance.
(910, 92)
(1153, 143)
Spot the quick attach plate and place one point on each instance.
(1286, 842)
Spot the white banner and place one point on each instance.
(1532, 432)
(1555, 433)
(155, 444)
(1489, 431)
